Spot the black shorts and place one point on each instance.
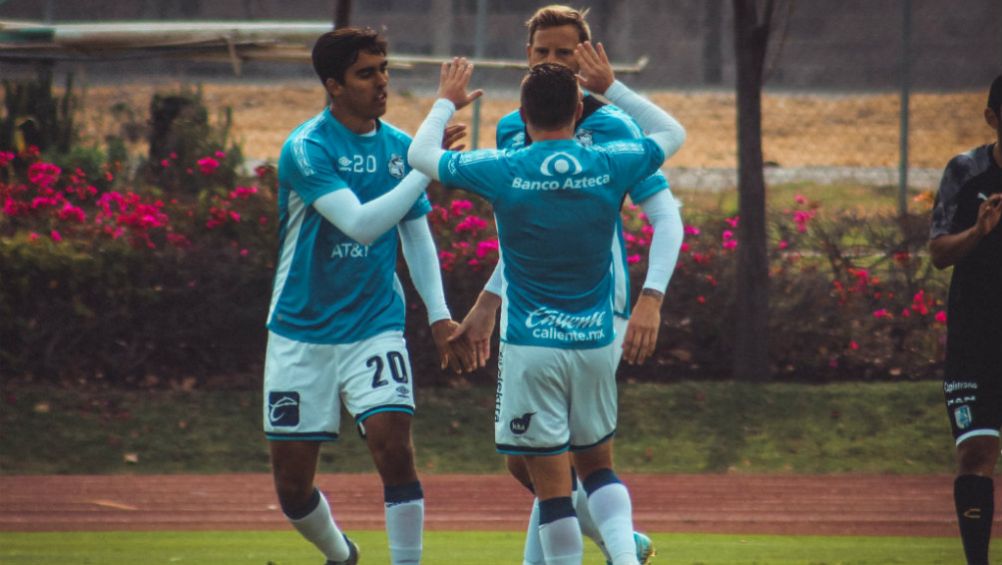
(974, 407)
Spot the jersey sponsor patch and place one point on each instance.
(520, 424)
(962, 415)
(283, 408)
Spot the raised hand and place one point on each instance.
(595, 73)
(454, 80)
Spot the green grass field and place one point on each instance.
(685, 427)
(453, 548)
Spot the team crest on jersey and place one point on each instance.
(520, 424)
(560, 163)
(343, 164)
(403, 392)
(396, 166)
(518, 140)
(584, 137)
(962, 415)
(283, 408)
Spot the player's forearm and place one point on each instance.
(422, 261)
(660, 126)
(426, 151)
(662, 211)
(366, 222)
(947, 250)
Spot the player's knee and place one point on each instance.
(976, 459)
(293, 495)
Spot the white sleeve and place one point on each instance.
(662, 211)
(660, 126)
(366, 222)
(493, 285)
(422, 262)
(426, 147)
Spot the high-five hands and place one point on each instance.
(453, 81)
(595, 73)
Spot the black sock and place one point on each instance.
(974, 497)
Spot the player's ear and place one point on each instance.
(333, 87)
(528, 51)
(580, 110)
(992, 119)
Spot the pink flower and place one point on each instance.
(941, 317)
(727, 234)
(71, 212)
(881, 313)
(853, 345)
(32, 236)
(220, 155)
(43, 175)
(701, 299)
(460, 207)
(691, 230)
(56, 236)
(783, 244)
(207, 165)
(733, 222)
(730, 244)
(472, 224)
(632, 259)
(5, 158)
(243, 192)
(685, 247)
(800, 199)
(486, 246)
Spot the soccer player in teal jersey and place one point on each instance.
(556, 203)
(554, 32)
(346, 193)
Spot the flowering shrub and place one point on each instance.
(850, 297)
(107, 279)
(101, 279)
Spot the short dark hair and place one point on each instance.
(550, 96)
(337, 50)
(995, 96)
(556, 15)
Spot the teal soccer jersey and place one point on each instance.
(556, 204)
(600, 123)
(329, 288)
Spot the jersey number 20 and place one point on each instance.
(396, 364)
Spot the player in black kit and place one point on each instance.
(965, 234)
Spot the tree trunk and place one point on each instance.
(751, 346)
(713, 66)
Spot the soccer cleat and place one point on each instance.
(645, 549)
(352, 554)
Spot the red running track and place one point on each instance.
(733, 503)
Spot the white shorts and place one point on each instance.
(551, 400)
(305, 384)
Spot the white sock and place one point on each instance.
(533, 552)
(613, 513)
(588, 528)
(319, 528)
(404, 528)
(561, 541)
